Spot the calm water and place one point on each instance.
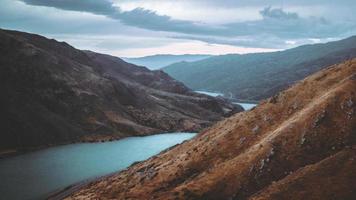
(213, 94)
(34, 175)
(246, 106)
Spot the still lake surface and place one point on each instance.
(246, 106)
(213, 94)
(36, 174)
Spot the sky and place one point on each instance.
(134, 28)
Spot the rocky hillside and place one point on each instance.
(299, 144)
(260, 75)
(52, 93)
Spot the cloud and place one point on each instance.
(286, 25)
(275, 28)
(101, 7)
(275, 21)
(188, 47)
(137, 17)
(147, 19)
(278, 13)
(265, 3)
(268, 42)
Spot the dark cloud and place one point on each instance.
(278, 13)
(138, 17)
(101, 7)
(147, 19)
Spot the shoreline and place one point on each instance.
(67, 191)
(60, 194)
(231, 99)
(9, 153)
(244, 101)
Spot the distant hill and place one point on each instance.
(52, 93)
(158, 61)
(260, 75)
(299, 144)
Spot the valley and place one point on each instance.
(55, 94)
(295, 137)
(177, 100)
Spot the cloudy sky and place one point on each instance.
(133, 28)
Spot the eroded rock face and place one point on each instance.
(52, 93)
(301, 152)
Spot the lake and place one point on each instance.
(213, 94)
(246, 106)
(36, 174)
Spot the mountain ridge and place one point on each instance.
(260, 75)
(53, 93)
(155, 62)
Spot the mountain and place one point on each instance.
(260, 75)
(158, 61)
(52, 93)
(299, 144)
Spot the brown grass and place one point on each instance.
(298, 144)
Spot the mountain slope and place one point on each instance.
(158, 61)
(298, 144)
(53, 93)
(261, 75)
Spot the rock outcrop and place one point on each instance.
(300, 144)
(52, 93)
